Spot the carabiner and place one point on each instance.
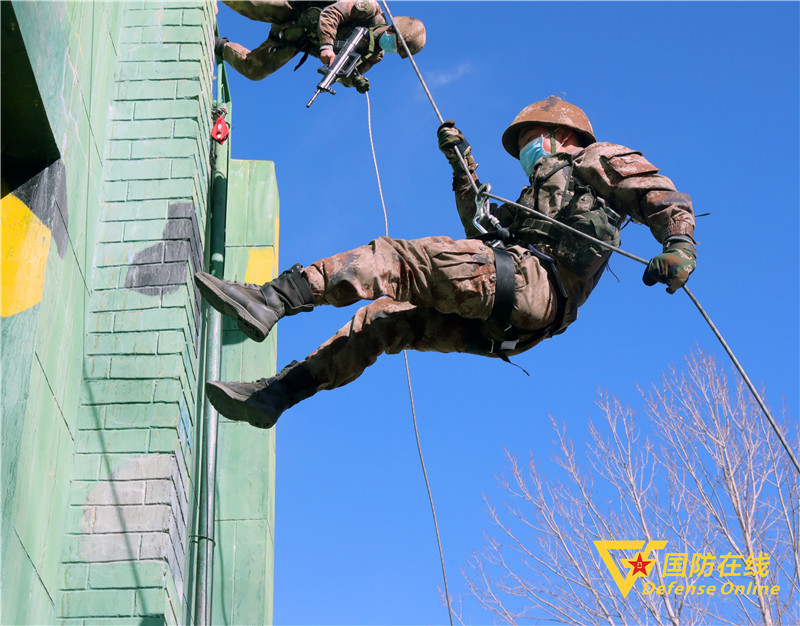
(482, 207)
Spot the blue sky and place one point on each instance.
(707, 91)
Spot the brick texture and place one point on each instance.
(125, 551)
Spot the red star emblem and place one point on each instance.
(639, 566)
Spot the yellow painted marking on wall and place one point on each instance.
(261, 265)
(24, 246)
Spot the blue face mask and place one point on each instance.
(388, 42)
(533, 151)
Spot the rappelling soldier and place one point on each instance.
(495, 294)
(313, 28)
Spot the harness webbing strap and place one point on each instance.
(303, 60)
(504, 287)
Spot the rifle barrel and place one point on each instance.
(310, 102)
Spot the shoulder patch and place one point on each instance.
(634, 164)
(362, 5)
(621, 163)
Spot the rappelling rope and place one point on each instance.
(714, 329)
(408, 377)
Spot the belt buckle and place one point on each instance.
(509, 345)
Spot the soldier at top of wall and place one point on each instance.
(313, 28)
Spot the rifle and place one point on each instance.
(343, 65)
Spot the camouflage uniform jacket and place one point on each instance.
(614, 176)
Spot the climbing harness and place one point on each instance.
(505, 282)
(512, 338)
(504, 287)
(484, 193)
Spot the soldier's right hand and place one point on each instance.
(451, 138)
(327, 56)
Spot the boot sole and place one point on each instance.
(225, 305)
(234, 406)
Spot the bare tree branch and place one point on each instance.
(709, 478)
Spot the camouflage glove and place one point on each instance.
(673, 266)
(361, 83)
(451, 138)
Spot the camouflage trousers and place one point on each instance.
(439, 296)
(271, 55)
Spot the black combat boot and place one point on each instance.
(261, 403)
(255, 308)
(219, 44)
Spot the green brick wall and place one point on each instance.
(70, 49)
(100, 373)
(135, 445)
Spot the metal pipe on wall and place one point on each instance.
(207, 500)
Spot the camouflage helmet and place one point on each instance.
(551, 112)
(413, 33)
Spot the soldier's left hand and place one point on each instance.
(451, 138)
(672, 267)
(361, 83)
